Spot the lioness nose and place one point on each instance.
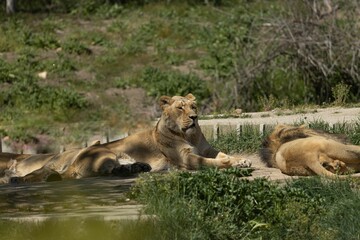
(193, 116)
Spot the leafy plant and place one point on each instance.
(340, 93)
(40, 40)
(74, 45)
(157, 83)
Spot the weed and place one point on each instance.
(268, 103)
(340, 93)
(157, 83)
(40, 40)
(73, 45)
(248, 140)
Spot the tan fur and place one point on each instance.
(91, 161)
(303, 151)
(176, 140)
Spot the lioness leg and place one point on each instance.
(41, 175)
(191, 160)
(235, 162)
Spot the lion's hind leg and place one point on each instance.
(332, 165)
(323, 165)
(43, 174)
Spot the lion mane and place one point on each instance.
(298, 150)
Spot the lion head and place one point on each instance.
(179, 113)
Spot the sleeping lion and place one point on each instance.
(176, 141)
(297, 150)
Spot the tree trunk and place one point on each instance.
(10, 6)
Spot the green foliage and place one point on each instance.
(249, 140)
(62, 66)
(40, 40)
(340, 93)
(30, 95)
(25, 92)
(218, 204)
(157, 83)
(74, 45)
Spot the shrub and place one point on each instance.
(157, 83)
(340, 93)
(218, 204)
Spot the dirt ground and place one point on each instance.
(330, 115)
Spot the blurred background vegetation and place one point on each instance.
(76, 68)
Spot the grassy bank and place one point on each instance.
(215, 204)
(71, 69)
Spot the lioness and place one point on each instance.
(302, 151)
(176, 140)
(91, 161)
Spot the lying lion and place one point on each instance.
(91, 161)
(176, 140)
(302, 151)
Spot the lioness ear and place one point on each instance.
(190, 97)
(165, 101)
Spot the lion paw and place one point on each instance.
(243, 163)
(130, 169)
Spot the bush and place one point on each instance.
(218, 204)
(171, 83)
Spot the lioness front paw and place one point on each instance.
(243, 163)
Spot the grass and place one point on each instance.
(87, 48)
(249, 140)
(214, 204)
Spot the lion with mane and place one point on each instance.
(176, 141)
(301, 151)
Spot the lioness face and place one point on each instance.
(180, 113)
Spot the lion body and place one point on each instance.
(302, 151)
(176, 140)
(91, 161)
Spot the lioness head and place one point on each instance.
(179, 113)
